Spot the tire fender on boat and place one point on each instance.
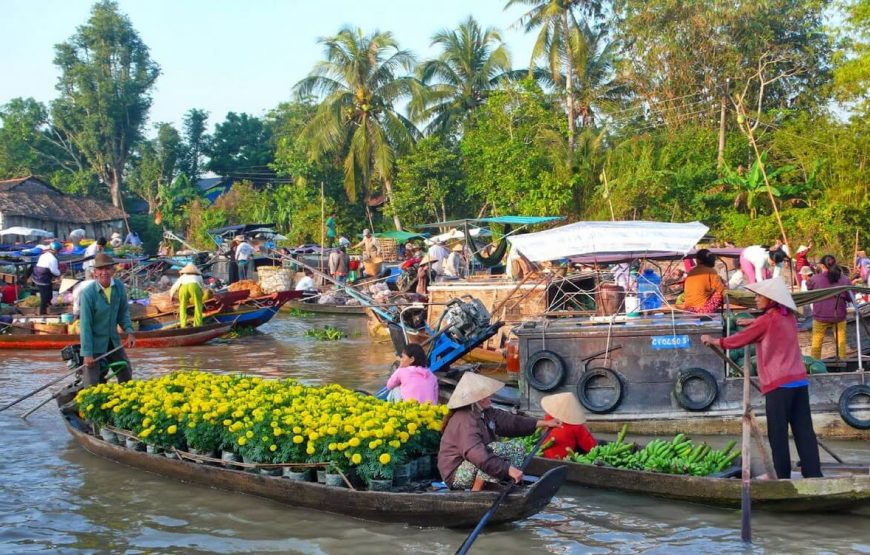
(583, 389)
(846, 410)
(711, 389)
(553, 360)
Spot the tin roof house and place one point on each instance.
(31, 202)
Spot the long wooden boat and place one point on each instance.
(176, 337)
(250, 312)
(350, 310)
(457, 509)
(842, 488)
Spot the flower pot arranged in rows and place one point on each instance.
(402, 474)
(380, 484)
(299, 475)
(229, 456)
(424, 467)
(321, 475)
(109, 435)
(134, 444)
(152, 449)
(334, 480)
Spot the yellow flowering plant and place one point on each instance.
(268, 421)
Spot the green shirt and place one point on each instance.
(100, 318)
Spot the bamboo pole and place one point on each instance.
(607, 194)
(746, 477)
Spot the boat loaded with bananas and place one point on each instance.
(681, 469)
(266, 437)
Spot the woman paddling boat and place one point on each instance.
(470, 448)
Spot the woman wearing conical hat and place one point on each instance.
(469, 441)
(782, 376)
(572, 435)
(189, 288)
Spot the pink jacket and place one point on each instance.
(779, 355)
(416, 383)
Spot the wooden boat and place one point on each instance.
(248, 312)
(842, 488)
(352, 310)
(451, 509)
(176, 337)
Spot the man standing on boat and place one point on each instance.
(339, 264)
(44, 272)
(330, 230)
(103, 308)
(244, 258)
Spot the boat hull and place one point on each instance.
(449, 509)
(843, 492)
(350, 310)
(158, 339)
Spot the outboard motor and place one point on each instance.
(465, 319)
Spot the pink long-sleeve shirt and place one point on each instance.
(777, 350)
(415, 382)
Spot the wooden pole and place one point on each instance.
(322, 225)
(607, 194)
(746, 477)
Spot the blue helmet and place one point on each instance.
(55, 246)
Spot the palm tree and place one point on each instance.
(471, 63)
(556, 21)
(596, 88)
(356, 121)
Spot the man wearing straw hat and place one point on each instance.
(44, 272)
(469, 441)
(189, 289)
(572, 436)
(244, 258)
(103, 308)
(782, 376)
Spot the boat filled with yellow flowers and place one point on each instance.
(272, 437)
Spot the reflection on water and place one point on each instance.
(54, 497)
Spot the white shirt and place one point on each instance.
(437, 253)
(452, 266)
(343, 241)
(244, 251)
(77, 293)
(48, 260)
(116, 241)
(305, 284)
(185, 278)
(759, 258)
(92, 250)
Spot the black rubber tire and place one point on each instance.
(552, 383)
(583, 394)
(712, 389)
(846, 413)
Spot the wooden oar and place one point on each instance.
(734, 365)
(466, 545)
(51, 383)
(746, 477)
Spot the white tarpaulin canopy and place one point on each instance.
(633, 237)
(456, 235)
(26, 232)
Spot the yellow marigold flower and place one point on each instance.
(385, 458)
(298, 439)
(242, 440)
(273, 448)
(332, 446)
(171, 429)
(356, 458)
(249, 434)
(310, 450)
(227, 422)
(354, 442)
(395, 444)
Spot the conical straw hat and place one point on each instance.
(565, 407)
(774, 289)
(190, 269)
(471, 389)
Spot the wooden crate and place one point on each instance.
(389, 249)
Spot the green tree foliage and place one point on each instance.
(514, 154)
(852, 72)
(173, 198)
(750, 185)
(195, 144)
(106, 77)
(430, 185)
(471, 63)
(154, 165)
(241, 147)
(357, 122)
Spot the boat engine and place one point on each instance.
(72, 354)
(465, 319)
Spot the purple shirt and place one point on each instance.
(416, 383)
(833, 309)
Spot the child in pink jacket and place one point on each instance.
(413, 377)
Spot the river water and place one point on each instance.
(55, 497)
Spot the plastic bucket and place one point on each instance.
(632, 306)
(67, 318)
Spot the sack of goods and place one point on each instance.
(274, 279)
(247, 285)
